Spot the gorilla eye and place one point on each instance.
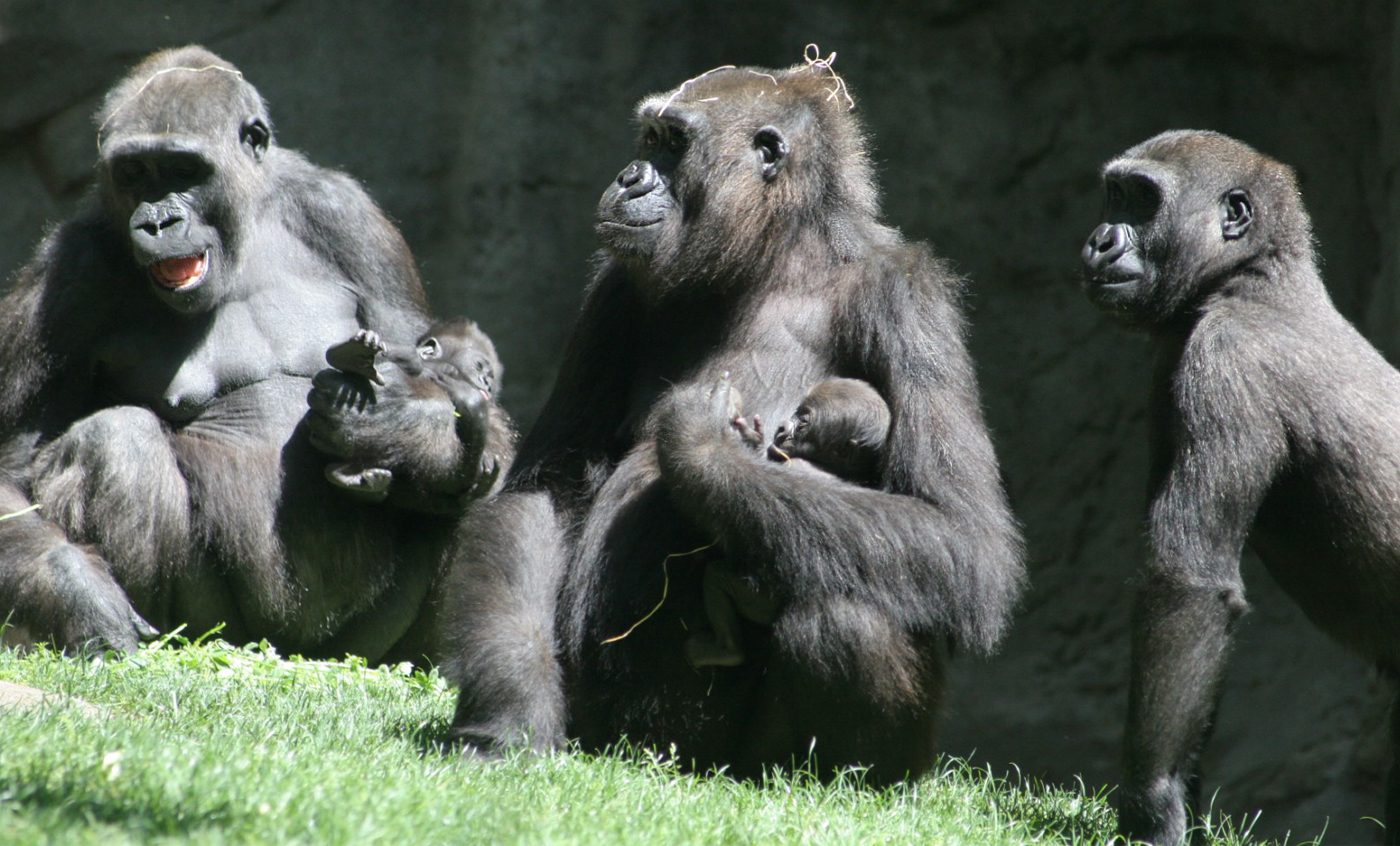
(651, 139)
(128, 173)
(1132, 198)
(1113, 198)
(182, 168)
(676, 142)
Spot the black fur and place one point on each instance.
(1273, 421)
(744, 240)
(155, 360)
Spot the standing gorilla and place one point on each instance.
(1273, 421)
(744, 240)
(155, 361)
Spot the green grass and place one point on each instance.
(210, 743)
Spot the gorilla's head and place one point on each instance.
(734, 169)
(1183, 212)
(182, 141)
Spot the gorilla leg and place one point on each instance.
(498, 618)
(874, 701)
(1181, 638)
(112, 481)
(59, 591)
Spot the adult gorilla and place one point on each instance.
(743, 240)
(155, 361)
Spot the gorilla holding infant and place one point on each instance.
(156, 356)
(741, 249)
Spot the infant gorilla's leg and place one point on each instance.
(369, 484)
(727, 599)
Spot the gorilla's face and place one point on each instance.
(1178, 214)
(460, 358)
(180, 167)
(712, 186)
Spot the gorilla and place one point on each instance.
(155, 360)
(456, 360)
(1273, 421)
(743, 240)
(840, 427)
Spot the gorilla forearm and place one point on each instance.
(919, 564)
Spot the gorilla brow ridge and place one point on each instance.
(152, 78)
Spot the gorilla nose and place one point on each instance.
(1106, 245)
(638, 179)
(154, 219)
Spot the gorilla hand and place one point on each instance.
(77, 604)
(699, 419)
(349, 419)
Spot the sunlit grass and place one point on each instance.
(212, 743)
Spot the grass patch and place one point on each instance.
(210, 743)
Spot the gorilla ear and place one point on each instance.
(256, 137)
(429, 349)
(772, 150)
(1237, 213)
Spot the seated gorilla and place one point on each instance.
(155, 361)
(839, 428)
(1273, 421)
(744, 240)
(455, 360)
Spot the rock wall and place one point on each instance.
(488, 130)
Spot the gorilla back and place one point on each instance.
(155, 360)
(1273, 421)
(743, 240)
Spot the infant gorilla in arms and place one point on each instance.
(839, 428)
(453, 357)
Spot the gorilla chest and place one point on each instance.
(780, 347)
(181, 370)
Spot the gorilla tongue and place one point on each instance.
(178, 272)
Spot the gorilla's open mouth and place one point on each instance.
(177, 274)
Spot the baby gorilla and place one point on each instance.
(453, 357)
(840, 429)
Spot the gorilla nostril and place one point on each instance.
(1107, 243)
(639, 179)
(630, 175)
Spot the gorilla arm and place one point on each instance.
(587, 408)
(1229, 445)
(430, 450)
(53, 588)
(937, 550)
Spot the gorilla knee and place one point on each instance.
(112, 480)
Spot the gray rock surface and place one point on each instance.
(488, 130)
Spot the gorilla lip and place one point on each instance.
(175, 274)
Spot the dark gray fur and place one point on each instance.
(1273, 421)
(839, 428)
(161, 427)
(744, 240)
